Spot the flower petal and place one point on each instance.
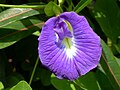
(84, 54)
(85, 40)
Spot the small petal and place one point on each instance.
(69, 54)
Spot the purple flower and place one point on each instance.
(68, 46)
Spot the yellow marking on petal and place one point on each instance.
(69, 26)
(67, 42)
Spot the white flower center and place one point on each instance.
(71, 51)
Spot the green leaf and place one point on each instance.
(1, 86)
(82, 4)
(22, 85)
(110, 66)
(49, 9)
(14, 14)
(107, 14)
(88, 82)
(117, 45)
(45, 77)
(13, 32)
(56, 9)
(60, 84)
(117, 48)
(52, 9)
(13, 79)
(118, 60)
(103, 81)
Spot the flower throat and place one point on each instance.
(63, 31)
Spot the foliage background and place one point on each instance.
(20, 26)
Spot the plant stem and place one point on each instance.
(22, 6)
(79, 85)
(33, 72)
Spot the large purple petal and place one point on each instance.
(69, 63)
(85, 40)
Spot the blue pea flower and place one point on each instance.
(68, 46)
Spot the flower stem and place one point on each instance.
(79, 85)
(22, 6)
(33, 72)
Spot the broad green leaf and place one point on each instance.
(1, 86)
(117, 45)
(88, 82)
(13, 32)
(52, 9)
(14, 14)
(56, 9)
(22, 85)
(82, 4)
(107, 14)
(45, 77)
(103, 81)
(118, 61)
(13, 79)
(110, 66)
(60, 84)
(49, 9)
